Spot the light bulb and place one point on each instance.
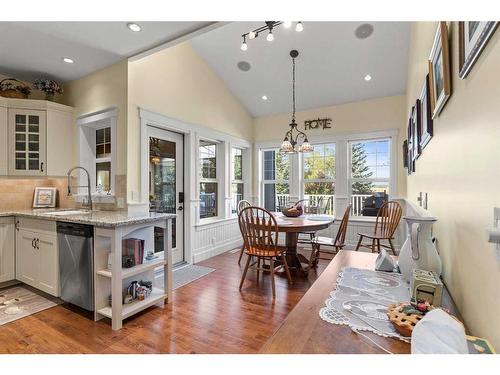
(299, 27)
(270, 36)
(368, 77)
(244, 46)
(287, 24)
(251, 35)
(264, 97)
(134, 27)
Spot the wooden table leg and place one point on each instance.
(292, 257)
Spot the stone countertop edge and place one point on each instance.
(96, 218)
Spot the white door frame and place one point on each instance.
(175, 138)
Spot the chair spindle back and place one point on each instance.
(388, 218)
(340, 238)
(259, 229)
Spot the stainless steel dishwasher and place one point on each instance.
(76, 264)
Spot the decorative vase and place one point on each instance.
(49, 96)
(419, 251)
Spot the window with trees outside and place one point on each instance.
(208, 179)
(319, 177)
(103, 159)
(276, 180)
(236, 178)
(370, 171)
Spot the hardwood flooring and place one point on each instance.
(209, 315)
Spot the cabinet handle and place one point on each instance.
(17, 225)
(33, 243)
(41, 166)
(37, 243)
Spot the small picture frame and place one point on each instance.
(472, 38)
(405, 154)
(426, 128)
(439, 70)
(411, 162)
(415, 125)
(44, 197)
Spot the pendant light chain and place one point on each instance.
(293, 88)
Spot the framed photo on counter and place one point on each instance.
(44, 197)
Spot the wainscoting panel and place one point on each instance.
(214, 239)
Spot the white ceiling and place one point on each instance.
(33, 49)
(329, 70)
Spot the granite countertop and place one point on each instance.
(96, 218)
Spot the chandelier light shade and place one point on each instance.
(268, 28)
(294, 135)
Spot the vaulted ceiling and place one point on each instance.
(330, 68)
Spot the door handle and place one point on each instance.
(180, 208)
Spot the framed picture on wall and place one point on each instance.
(411, 162)
(44, 197)
(416, 125)
(439, 70)
(405, 153)
(426, 128)
(472, 38)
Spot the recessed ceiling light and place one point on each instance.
(368, 77)
(134, 27)
(363, 31)
(68, 60)
(264, 97)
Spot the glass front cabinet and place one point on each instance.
(37, 138)
(27, 135)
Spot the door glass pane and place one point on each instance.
(162, 184)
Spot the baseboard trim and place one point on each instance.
(209, 252)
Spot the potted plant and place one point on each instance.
(49, 87)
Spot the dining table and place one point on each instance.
(292, 227)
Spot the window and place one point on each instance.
(97, 148)
(236, 178)
(276, 180)
(370, 174)
(102, 159)
(319, 177)
(208, 180)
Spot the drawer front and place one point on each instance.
(36, 225)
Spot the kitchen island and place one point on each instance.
(110, 228)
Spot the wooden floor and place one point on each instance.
(209, 315)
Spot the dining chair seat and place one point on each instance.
(266, 251)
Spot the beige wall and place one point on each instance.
(365, 116)
(177, 83)
(459, 169)
(101, 90)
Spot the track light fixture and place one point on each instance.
(270, 25)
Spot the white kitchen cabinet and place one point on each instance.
(38, 138)
(7, 249)
(37, 255)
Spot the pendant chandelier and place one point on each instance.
(293, 135)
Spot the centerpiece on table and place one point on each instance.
(293, 211)
(49, 87)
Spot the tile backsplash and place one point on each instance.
(17, 193)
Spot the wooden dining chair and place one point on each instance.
(338, 243)
(309, 207)
(388, 218)
(241, 205)
(259, 229)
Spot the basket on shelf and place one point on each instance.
(13, 88)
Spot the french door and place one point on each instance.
(166, 185)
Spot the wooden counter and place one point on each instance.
(303, 331)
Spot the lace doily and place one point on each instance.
(360, 300)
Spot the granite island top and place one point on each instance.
(95, 218)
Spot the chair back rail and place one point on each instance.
(259, 230)
(388, 218)
(341, 233)
(241, 205)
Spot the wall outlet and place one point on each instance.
(120, 202)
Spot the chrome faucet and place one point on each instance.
(87, 204)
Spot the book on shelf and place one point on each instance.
(134, 247)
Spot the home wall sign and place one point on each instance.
(319, 123)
